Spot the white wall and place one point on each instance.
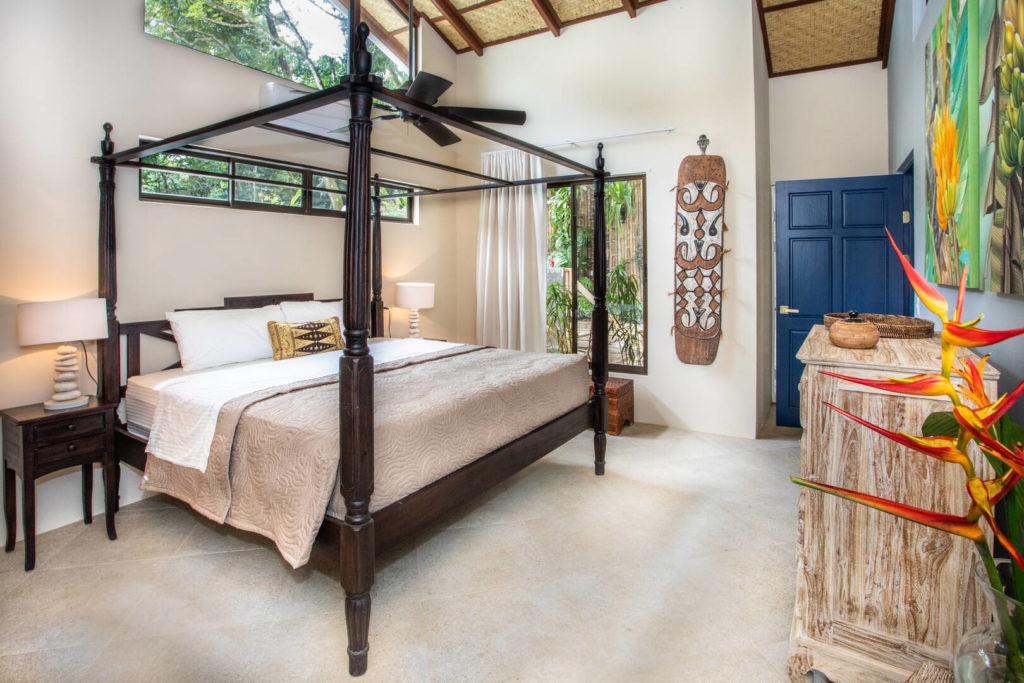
(829, 124)
(765, 271)
(906, 136)
(70, 66)
(669, 67)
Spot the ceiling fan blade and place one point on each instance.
(375, 119)
(436, 132)
(427, 87)
(510, 116)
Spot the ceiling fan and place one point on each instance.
(427, 88)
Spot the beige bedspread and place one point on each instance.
(273, 466)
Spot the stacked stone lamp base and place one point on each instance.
(65, 381)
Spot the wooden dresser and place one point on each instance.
(876, 596)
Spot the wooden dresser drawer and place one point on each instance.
(73, 448)
(70, 428)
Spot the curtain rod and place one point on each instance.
(575, 143)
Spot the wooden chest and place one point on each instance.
(877, 596)
(620, 403)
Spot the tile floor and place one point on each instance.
(678, 565)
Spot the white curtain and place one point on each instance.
(511, 242)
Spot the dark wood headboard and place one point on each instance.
(161, 329)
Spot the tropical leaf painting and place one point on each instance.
(974, 93)
(953, 146)
(1001, 112)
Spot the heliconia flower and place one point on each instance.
(973, 376)
(970, 421)
(940, 447)
(991, 414)
(918, 385)
(970, 336)
(960, 526)
(929, 296)
(988, 493)
(1007, 544)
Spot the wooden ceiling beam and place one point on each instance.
(787, 5)
(885, 34)
(631, 7)
(764, 39)
(550, 17)
(449, 12)
(403, 11)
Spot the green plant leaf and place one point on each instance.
(941, 423)
(1010, 433)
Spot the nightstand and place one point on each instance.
(38, 442)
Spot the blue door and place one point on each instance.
(832, 256)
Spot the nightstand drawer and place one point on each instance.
(66, 449)
(69, 428)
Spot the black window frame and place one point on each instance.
(573, 203)
(232, 177)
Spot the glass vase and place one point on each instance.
(984, 654)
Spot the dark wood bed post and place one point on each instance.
(377, 303)
(599, 319)
(356, 373)
(109, 349)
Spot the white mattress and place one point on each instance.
(143, 392)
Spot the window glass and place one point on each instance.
(328, 201)
(215, 177)
(187, 161)
(305, 41)
(329, 183)
(265, 193)
(570, 270)
(184, 185)
(394, 208)
(268, 173)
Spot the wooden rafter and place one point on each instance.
(548, 14)
(403, 11)
(457, 21)
(631, 7)
(885, 35)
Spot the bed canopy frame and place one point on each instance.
(357, 538)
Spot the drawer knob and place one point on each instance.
(70, 427)
(72, 446)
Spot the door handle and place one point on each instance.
(786, 310)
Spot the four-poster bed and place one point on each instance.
(357, 535)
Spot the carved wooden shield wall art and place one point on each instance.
(700, 225)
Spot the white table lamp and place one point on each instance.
(414, 296)
(49, 322)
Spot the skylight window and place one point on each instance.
(305, 41)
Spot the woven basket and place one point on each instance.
(892, 326)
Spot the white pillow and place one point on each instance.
(207, 339)
(307, 311)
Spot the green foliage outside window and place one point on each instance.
(235, 182)
(625, 291)
(304, 41)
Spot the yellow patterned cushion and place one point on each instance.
(291, 340)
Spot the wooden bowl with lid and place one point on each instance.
(853, 332)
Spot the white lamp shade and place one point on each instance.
(414, 295)
(50, 322)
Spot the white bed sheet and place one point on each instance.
(177, 410)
